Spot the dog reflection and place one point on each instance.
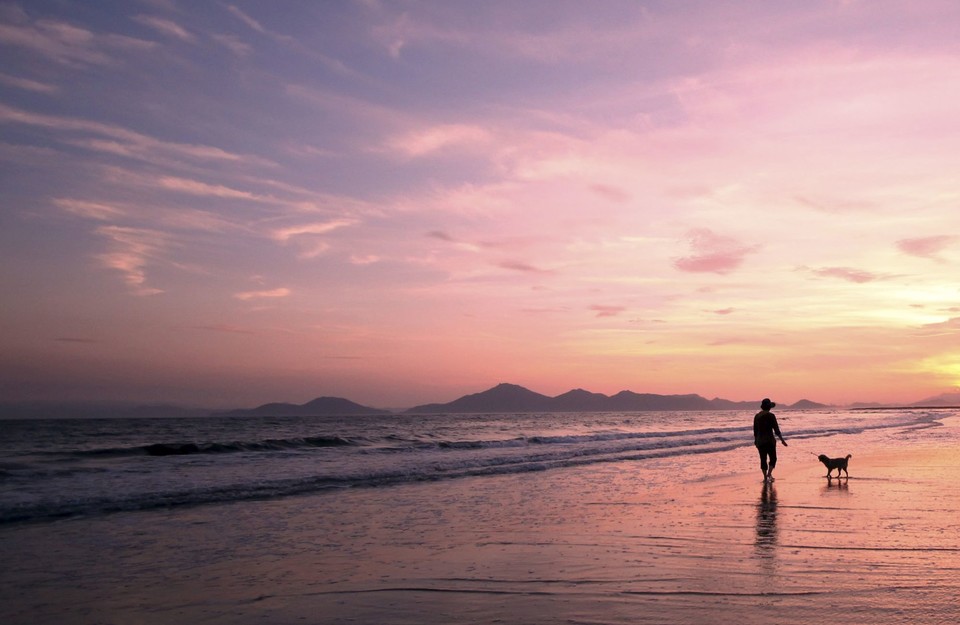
(838, 483)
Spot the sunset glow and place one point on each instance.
(225, 204)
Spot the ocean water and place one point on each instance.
(64, 468)
(541, 519)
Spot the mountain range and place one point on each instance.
(513, 398)
(506, 398)
(319, 406)
(503, 398)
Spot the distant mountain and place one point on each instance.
(806, 404)
(501, 398)
(944, 399)
(321, 406)
(864, 405)
(513, 398)
(578, 400)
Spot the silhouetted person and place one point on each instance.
(766, 430)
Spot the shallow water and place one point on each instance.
(57, 468)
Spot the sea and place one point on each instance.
(53, 469)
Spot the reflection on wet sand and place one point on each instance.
(767, 522)
(837, 484)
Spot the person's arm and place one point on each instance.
(776, 428)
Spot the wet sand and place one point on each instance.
(705, 541)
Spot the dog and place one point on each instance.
(835, 463)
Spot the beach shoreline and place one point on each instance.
(604, 543)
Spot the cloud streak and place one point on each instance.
(858, 276)
(263, 294)
(713, 253)
(927, 247)
(132, 251)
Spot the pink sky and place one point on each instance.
(400, 202)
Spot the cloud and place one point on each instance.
(437, 138)
(723, 311)
(443, 236)
(268, 294)
(67, 44)
(233, 44)
(515, 265)
(27, 84)
(713, 253)
(607, 311)
(463, 245)
(609, 192)
(75, 339)
(246, 19)
(366, 259)
(132, 249)
(220, 327)
(846, 273)
(927, 247)
(124, 142)
(195, 187)
(164, 27)
(89, 210)
(314, 229)
(291, 42)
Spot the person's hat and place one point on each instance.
(766, 404)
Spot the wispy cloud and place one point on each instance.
(309, 237)
(203, 189)
(69, 45)
(291, 42)
(132, 250)
(463, 245)
(233, 43)
(28, 85)
(265, 294)
(607, 311)
(516, 265)
(153, 214)
(165, 27)
(125, 142)
(849, 274)
(221, 327)
(927, 247)
(366, 259)
(713, 253)
(246, 19)
(75, 339)
(314, 228)
(437, 138)
(90, 210)
(610, 192)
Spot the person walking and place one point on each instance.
(766, 431)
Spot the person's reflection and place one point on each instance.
(767, 522)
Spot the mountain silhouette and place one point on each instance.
(321, 406)
(942, 400)
(501, 398)
(512, 398)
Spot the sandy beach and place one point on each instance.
(684, 540)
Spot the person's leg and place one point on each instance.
(772, 452)
(763, 460)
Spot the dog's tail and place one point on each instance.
(849, 456)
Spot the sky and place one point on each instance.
(225, 203)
